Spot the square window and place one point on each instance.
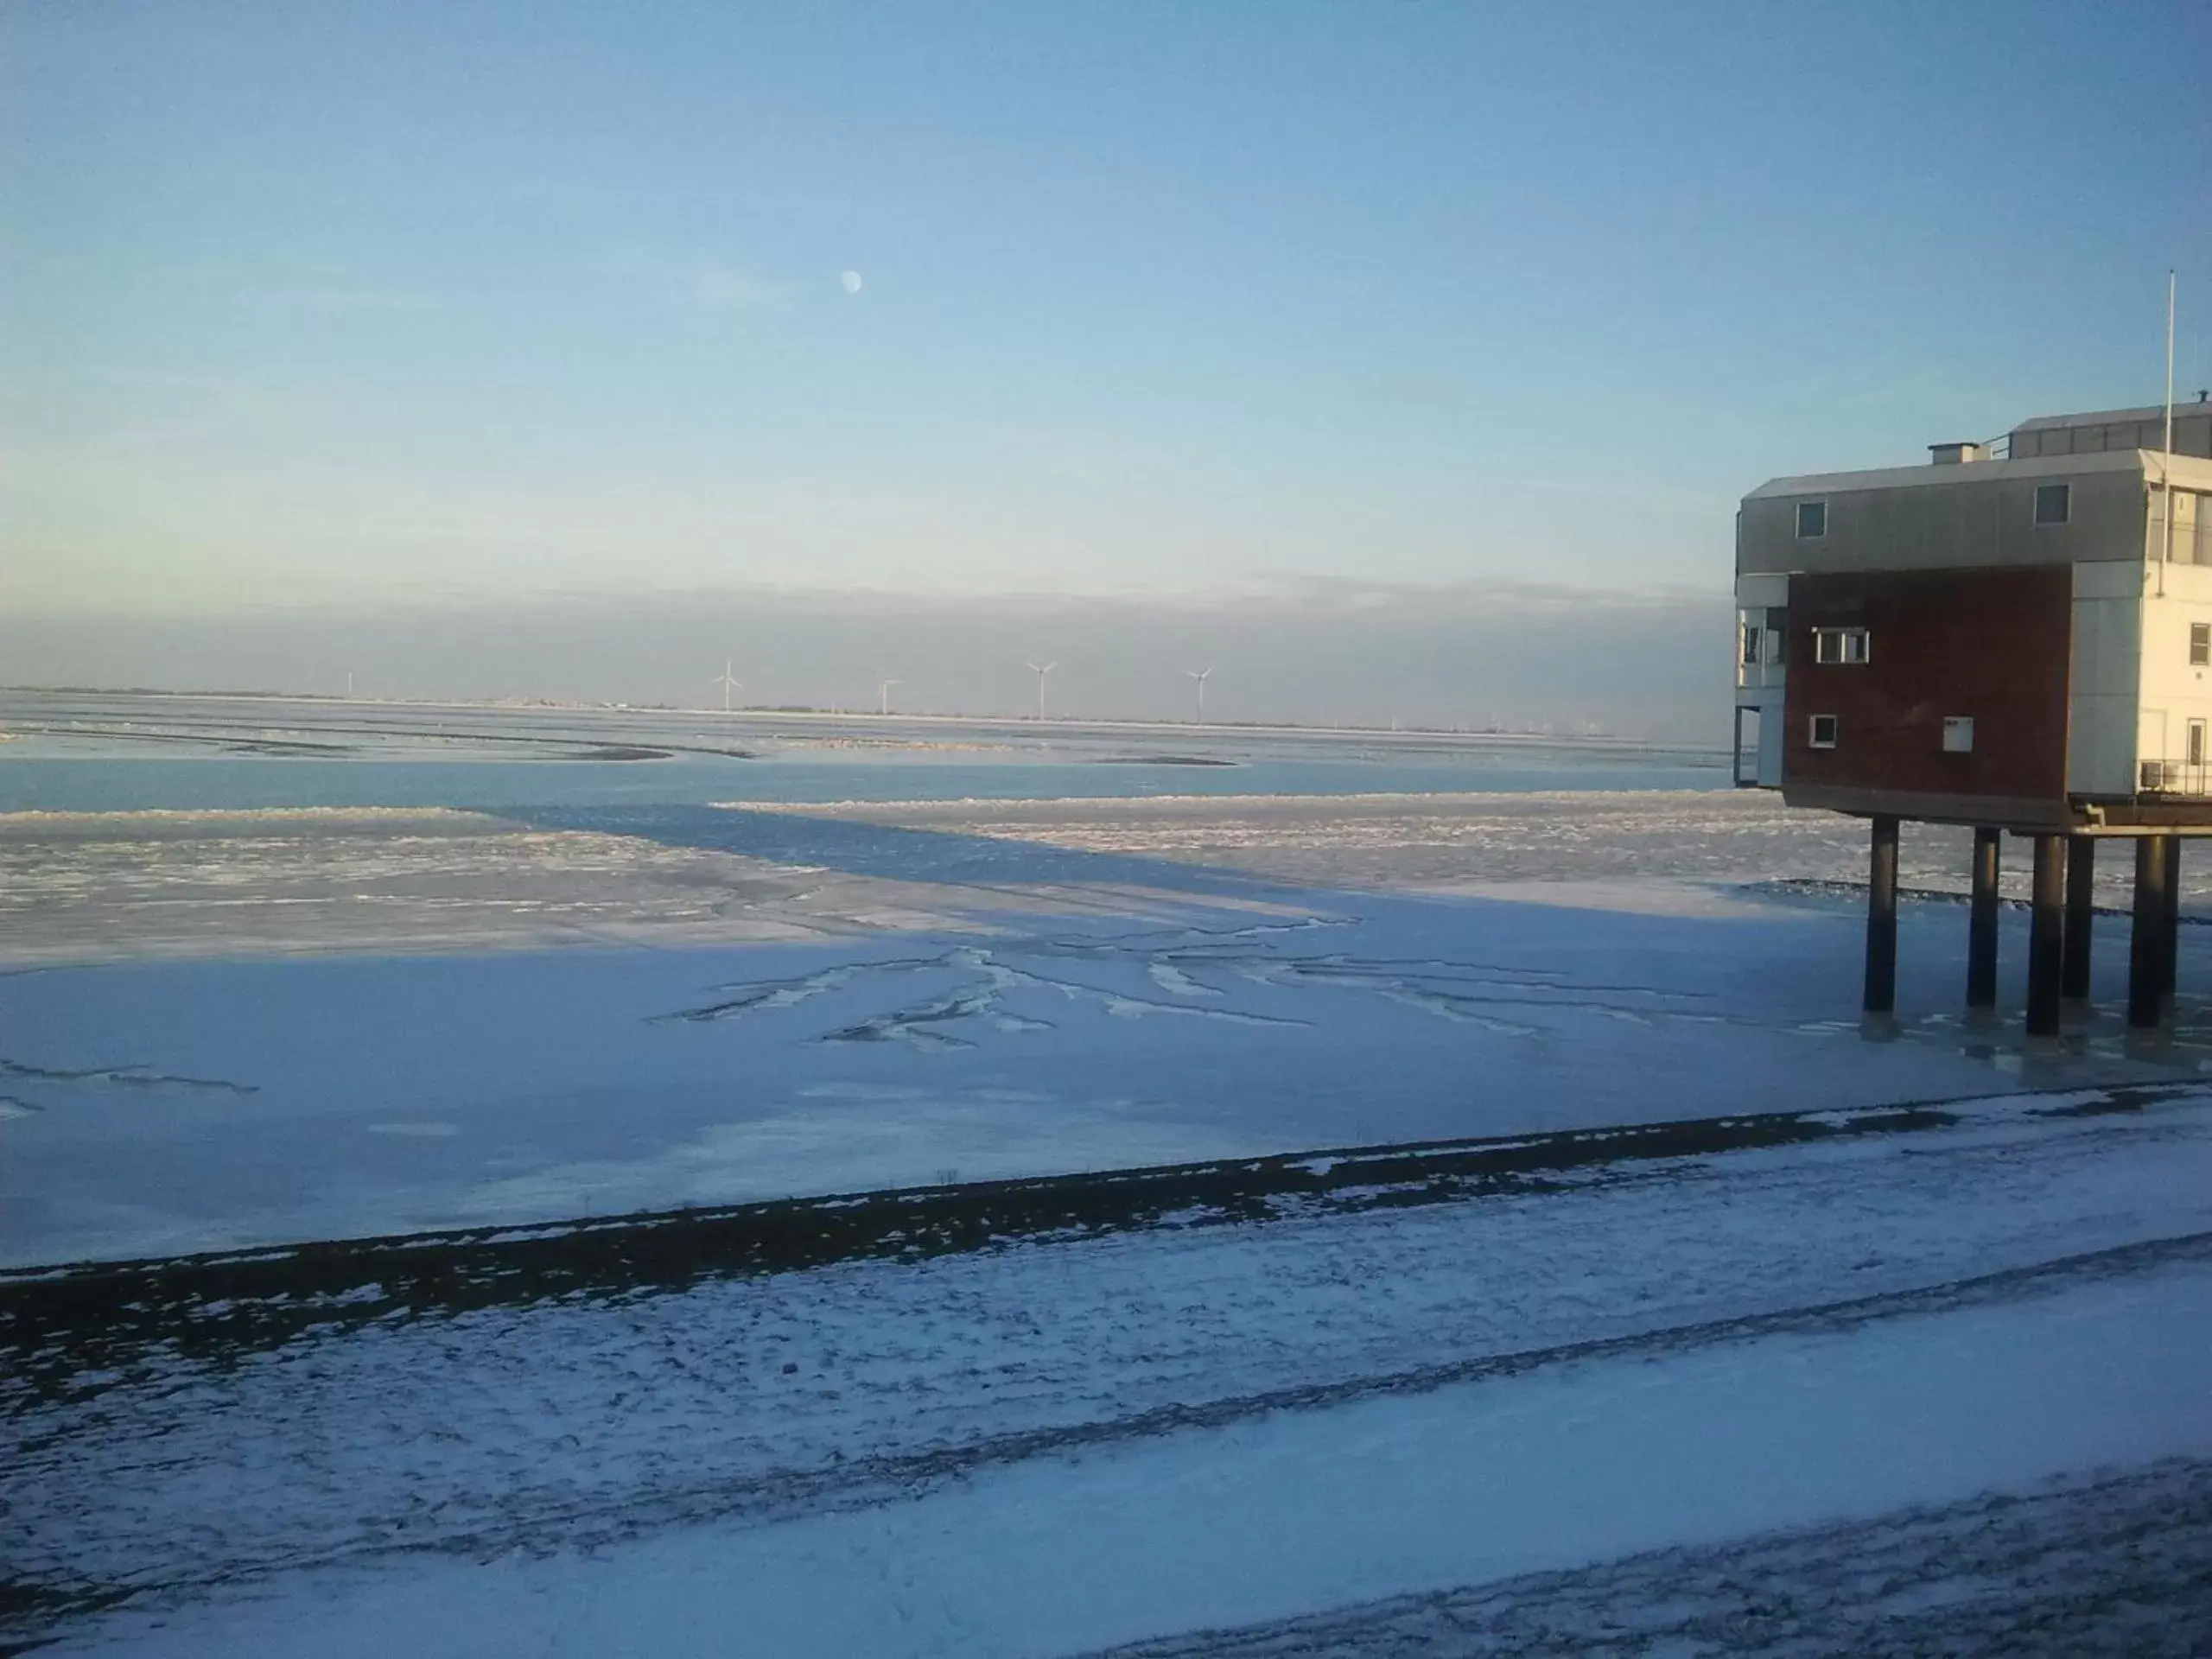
(2054, 502)
(2200, 644)
(1958, 734)
(1812, 520)
(1823, 733)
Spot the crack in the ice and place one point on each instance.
(770, 994)
(121, 1077)
(1460, 992)
(986, 999)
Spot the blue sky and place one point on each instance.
(330, 304)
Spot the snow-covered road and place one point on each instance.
(2117, 1564)
(2017, 1296)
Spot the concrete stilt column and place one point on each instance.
(2170, 933)
(1882, 918)
(2081, 908)
(2146, 941)
(1981, 925)
(2046, 936)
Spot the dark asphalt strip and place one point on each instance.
(59, 1323)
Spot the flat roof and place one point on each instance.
(2191, 471)
(2113, 417)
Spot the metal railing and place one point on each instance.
(2192, 543)
(2174, 778)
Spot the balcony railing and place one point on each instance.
(2174, 778)
(2192, 543)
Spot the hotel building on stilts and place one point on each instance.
(2016, 638)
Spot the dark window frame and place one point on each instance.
(2062, 495)
(1820, 520)
(2200, 644)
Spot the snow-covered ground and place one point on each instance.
(207, 1041)
(1061, 1444)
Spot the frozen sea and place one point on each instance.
(86, 754)
(296, 971)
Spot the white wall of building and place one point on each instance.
(2173, 690)
(2106, 678)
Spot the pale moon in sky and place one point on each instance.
(851, 279)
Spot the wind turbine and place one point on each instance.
(1040, 670)
(883, 696)
(1199, 675)
(728, 682)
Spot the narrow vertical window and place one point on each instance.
(2200, 644)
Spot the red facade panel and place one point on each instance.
(1991, 646)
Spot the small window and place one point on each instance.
(2200, 644)
(1812, 520)
(1958, 734)
(1754, 626)
(2054, 502)
(2195, 742)
(1841, 645)
(1823, 732)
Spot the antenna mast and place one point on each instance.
(2166, 459)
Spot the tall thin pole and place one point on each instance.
(2170, 365)
(2166, 459)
